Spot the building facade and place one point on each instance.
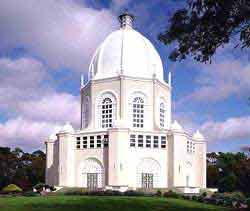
(127, 139)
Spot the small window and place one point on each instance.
(106, 141)
(132, 140)
(148, 141)
(190, 147)
(140, 140)
(162, 115)
(78, 138)
(98, 142)
(78, 144)
(163, 141)
(156, 142)
(85, 143)
(92, 142)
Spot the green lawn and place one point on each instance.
(101, 203)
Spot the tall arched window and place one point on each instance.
(85, 115)
(138, 112)
(106, 110)
(107, 113)
(162, 115)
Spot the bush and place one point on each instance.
(158, 193)
(172, 194)
(234, 199)
(247, 202)
(30, 193)
(204, 194)
(76, 193)
(195, 198)
(12, 188)
(39, 187)
(134, 193)
(237, 196)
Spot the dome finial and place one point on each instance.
(126, 19)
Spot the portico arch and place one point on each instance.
(91, 174)
(147, 173)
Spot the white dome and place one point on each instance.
(126, 52)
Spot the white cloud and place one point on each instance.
(232, 128)
(25, 133)
(24, 91)
(21, 79)
(220, 80)
(57, 107)
(63, 33)
(32, 104)
(37, 120)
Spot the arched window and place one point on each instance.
(85, 114)
(107, 113)
(106, 110)
(92, 174)
(138, 112)
(162, 115)
(148, 173)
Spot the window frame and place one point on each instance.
(140, 140)
(132, 140)
(162, 114)
(91, 142)
(163, 142)
(138, 112)
(99, 119)
(148, 141)
(156, 141)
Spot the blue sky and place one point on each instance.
(46, 45)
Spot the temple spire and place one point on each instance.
(126, 20)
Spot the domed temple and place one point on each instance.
(127, 139)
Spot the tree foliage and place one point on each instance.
(204, 25)
(20, 168)
(229, 172)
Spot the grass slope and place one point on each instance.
(103, 203)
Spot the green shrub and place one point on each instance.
(30, 193)
(77, 192)
(234, 199)
(158, 193)
(204, 194)
(187, 197)
(237, 196)
(133, 193)
(12, 188)
(247, 202)
(194, 197)
(172, 194)
(227, 201)
(39, 187)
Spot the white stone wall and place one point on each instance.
(120, 162)
(124, 89)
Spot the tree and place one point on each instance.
(22, 169)
(246, 150)
(205, 25)
(228, 171)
